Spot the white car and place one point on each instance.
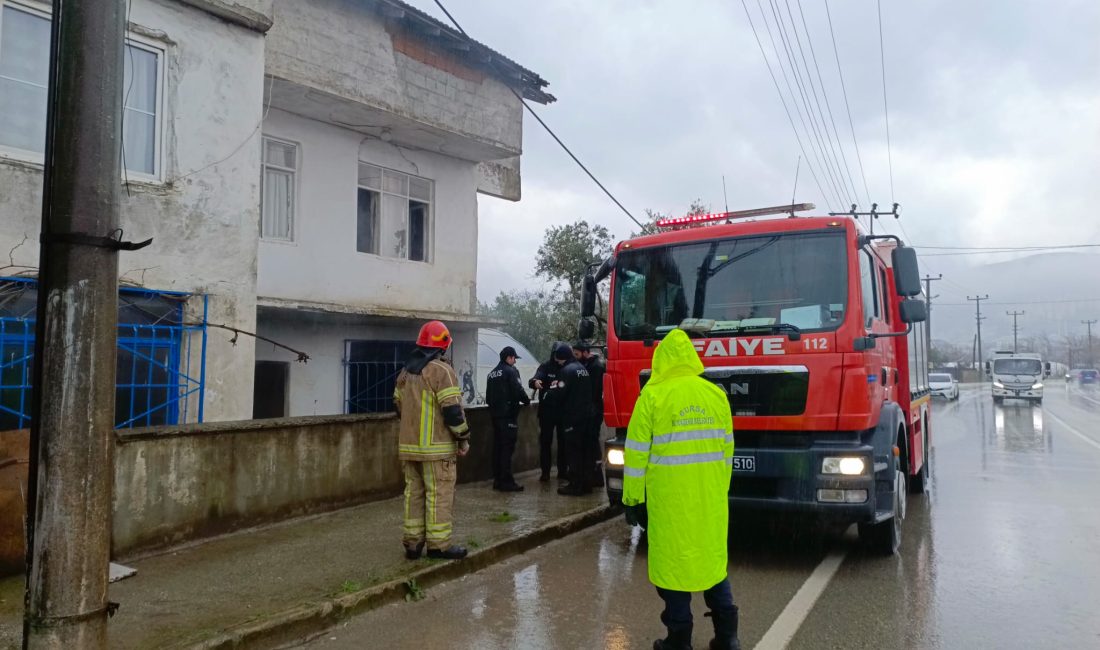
(944, 385)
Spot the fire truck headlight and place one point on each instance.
(615, 457)
(1037, 385)
(848, 466)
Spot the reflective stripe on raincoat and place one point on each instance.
(679, 457)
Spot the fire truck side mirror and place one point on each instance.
(906, 272)
(914, 311)
(586, 329)
(588, 297)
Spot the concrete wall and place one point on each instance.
(203, 219)
(317, 387)
(322, 264)
(341, 48)
(181, 484)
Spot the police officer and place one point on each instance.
(545, 382)
(679, 457)
(433, 431)
(582, 351)
(505, 396)
(576, 415)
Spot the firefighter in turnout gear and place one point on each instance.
(433, 433)
(679, 458)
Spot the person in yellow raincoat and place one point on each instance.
(679, 457)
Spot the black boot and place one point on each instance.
(449, 553)
(413, 552)
(725, 630)
(677, 639)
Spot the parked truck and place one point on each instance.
(812, 327)
(1017, 375)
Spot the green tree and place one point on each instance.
(567, 251)
(535, 318)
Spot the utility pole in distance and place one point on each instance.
(978, 319)
(928, 280)
(1015, 329)
(1089, 324)
(73, 399)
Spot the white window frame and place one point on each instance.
(429, 229)
(134, 40)
(296, 172)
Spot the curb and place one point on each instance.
(297, 623)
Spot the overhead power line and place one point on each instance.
(885, 104)
(1008, 248)
(1009, 303)
(790, 118)
(834, 137)
(547, 128)
(847, 106)
(788, 48)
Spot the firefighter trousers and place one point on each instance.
(429, 502)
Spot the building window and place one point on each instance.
(393, 217)
(280, 167)
(159, 365)
(372, 369)
(24, 72)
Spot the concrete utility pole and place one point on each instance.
(1089, 324)
(978, 318)
(928, 280)
(72, 413)
(1015, 329)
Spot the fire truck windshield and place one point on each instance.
(770, 281)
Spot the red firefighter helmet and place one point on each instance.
(434, 334)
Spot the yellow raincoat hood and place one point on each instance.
(675, 357)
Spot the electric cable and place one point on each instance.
(847, 106)
(885, 104)
(547, 127)
(787, 110)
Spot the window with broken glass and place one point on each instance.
(393, 214)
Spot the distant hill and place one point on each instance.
(1056, 290)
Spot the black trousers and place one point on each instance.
(677, 614)
(505, 433)
(578, 447)
(546, 442)
(595, 448)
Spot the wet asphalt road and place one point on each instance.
(1004, 552)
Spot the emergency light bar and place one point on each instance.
(740, 214)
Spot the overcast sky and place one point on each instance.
(994, 116)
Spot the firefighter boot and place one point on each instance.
(413, 552)
(725, 630)
(450, 553)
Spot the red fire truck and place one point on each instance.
(815, 330)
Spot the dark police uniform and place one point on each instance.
(550, 418)
(596, 370)
(576, 412)
(505, 396)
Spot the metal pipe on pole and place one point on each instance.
(978, 318)
(72, 411)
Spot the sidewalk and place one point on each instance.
(282, 582)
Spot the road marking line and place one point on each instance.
(1084, 396)
(1074, 431)
(790, 619)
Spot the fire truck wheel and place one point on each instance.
(885, 538)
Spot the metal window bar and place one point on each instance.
(156, 361)
(373, 383)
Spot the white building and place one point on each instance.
(309, 171)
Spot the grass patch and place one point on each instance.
(351, 586)
(503, 517)
(473, 543)
(415, 592)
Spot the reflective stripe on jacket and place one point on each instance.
(420, 400)
(679, 457)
